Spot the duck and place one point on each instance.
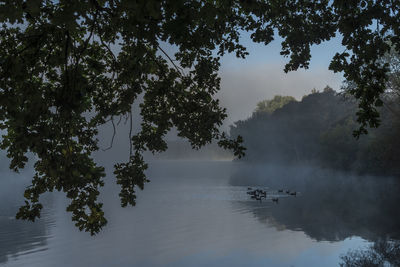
(253, 193)
(293, 193)
(275, 199)
(280, 190)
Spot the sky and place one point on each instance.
(245, 82)
(260, 76)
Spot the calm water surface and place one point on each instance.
(198, 213)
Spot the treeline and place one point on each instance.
(181, 150)
(319, 130)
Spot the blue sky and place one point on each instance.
(245, 82)
(260, 76)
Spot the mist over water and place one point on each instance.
(196, 213)
(330, 205)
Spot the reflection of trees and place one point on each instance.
(18, 236)
(331, 206)
(381, 253)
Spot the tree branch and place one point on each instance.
(178, 69)
(113, 136)
(130, 134)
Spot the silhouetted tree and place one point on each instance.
(60, 60)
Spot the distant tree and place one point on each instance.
(328, 89)
(269, 106)
(292, 132)
(62, 60)
(338, 149)
(318, 130)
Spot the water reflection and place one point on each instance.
(20, 237)
(190, 214)
(332, 206)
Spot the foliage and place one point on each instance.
(337, 147)
(393, 85)
(69, 66)
(317, 130)
(62, 60)
(269, 106)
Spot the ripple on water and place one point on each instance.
(183, 224)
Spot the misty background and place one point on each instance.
(195, 210)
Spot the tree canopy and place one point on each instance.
(269, 106)
(317, 131)
(69, 66)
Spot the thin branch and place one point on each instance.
(112, 139)
(126, 119)
(120, 118)
(178, 69)
(113, 56)
(105, 121)
(85, 44)
(130, 134)
(108, 48)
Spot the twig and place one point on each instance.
(108, 48)
(113, 57)
(179, 69)
(85, 44)
(130, 134)
(126, 119)
(112, 139)
(120, 118)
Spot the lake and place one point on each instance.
(196, 213)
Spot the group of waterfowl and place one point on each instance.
(292, 193)
(259, 194)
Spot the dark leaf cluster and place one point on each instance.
(62, 60)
